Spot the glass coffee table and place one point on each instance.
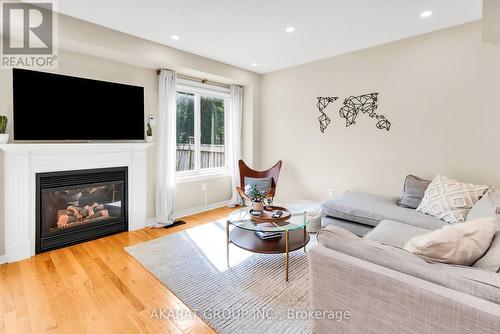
(293, 234)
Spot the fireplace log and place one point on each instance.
(65, 217)
(99, 214)
(75, 210)
(88, 211)
(91, 210)
(75, 214)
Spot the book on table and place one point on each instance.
(268, 234)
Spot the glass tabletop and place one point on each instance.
(241, 218)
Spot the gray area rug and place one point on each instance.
(249, 297)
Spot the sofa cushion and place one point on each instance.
(370, 209)
(457, 244)
(476, 282)
(413, 191)
(394, 233)
(450, 200)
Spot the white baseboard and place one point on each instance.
(3, 259)
(192, 211)
(189, 212)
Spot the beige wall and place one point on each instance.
(436, 89)
(92, 51)
(491, 21)
(439, 91)
(88, 38)
(82, 65)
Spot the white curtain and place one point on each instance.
(166, 147)
(234, 149)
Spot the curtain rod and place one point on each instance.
(203, 81)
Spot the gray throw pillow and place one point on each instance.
(486, 207)
(262, 184)
(413, 192)
(491, 259)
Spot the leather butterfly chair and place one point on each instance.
(272, 172)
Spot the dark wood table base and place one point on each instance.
(248, 240)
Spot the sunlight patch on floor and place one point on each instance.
(211, 240)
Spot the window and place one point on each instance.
(201, 135)
(185, 131)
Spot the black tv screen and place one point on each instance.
(58, 107)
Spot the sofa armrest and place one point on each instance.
(472, 281)
(332, 230)
(382, 300)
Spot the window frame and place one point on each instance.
(198, 90)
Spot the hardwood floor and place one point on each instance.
(94, 287)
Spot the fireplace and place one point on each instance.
(81, 205)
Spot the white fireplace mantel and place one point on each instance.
(21, 162)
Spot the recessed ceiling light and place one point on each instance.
(290, 29)
(175, 37)
(255, 64)
(425, 14)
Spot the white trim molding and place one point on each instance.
(199, 90)
(211, 173)
(21, 163)
(199, 209)
(192, 211)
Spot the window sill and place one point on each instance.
(185, 177)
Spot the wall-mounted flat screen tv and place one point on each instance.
(58, 107)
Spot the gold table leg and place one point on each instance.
(227, 243)
(305, 238)
(286, 255)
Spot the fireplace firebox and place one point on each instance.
(80, 205)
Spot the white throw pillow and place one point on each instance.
(450, 200)
(456, 244)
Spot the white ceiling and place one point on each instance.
(242, 32)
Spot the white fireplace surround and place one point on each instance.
(21, 162)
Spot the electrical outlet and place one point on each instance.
(331, 193)
(204, 191)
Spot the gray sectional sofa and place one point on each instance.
(359, 266)
(361, 212)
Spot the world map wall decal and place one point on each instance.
(366, 103)
(324, 120)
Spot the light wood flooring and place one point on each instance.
(94, 287)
